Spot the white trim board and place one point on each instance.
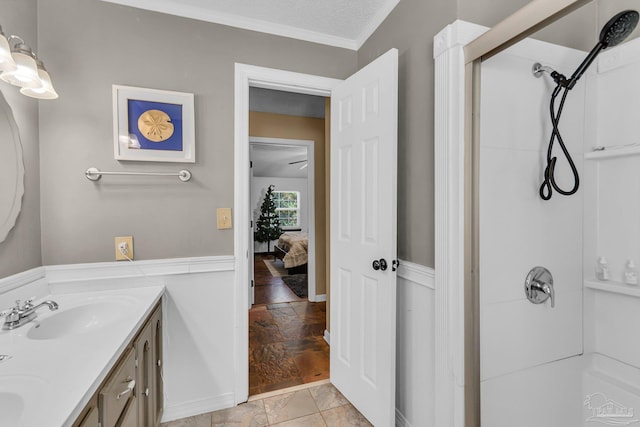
(252, 76)
(416, 273)
(449, 171)
(401, 421)
(311, 174)
(200, 406)
(18, 280)
(72, 274)
(120, 269)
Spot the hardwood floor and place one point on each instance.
(286, 344)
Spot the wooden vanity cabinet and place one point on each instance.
(148, 348)
(132, 393)
(90, 415)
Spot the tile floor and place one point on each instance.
(286, 344)
(314, 406)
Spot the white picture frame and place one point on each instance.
(164, 130)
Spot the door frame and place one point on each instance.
(311, 201)
(247, 76)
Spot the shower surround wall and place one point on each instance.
(541, 365)
(519, 231)
(612, 208)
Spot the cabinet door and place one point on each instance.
(144, 361)
(118, 393)
(158, 385)
(90, 418)
(130, 417)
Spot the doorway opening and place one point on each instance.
(363, 212)
(287, 315)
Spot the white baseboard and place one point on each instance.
(327, 337)
(197, 407)
(320, 298)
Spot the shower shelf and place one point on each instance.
(612, 153)
(614, 287)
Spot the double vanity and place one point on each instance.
(95, 360)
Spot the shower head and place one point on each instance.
(618, 28)
(613, 33)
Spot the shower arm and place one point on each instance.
(560, 79)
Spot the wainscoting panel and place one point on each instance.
(415, 346)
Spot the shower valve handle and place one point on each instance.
(538, 286)
(546, 289)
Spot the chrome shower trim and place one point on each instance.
(538, 69)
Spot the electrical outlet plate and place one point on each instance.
(128, 241)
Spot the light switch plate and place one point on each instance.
(224, 218)
(128, 240)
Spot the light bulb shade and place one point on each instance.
(6, 60)
(26, 73)
(45, 90)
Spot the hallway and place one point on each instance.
(286, 336)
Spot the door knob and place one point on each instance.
(380, 264)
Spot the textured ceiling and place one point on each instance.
(342, 23)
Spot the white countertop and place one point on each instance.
(51, 380)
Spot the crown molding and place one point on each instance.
(231, 20)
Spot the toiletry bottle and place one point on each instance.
(602, 270)
(631, 273)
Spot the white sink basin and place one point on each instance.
(76, 320)
(11, 408)
(19, 400)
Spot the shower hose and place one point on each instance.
(549, 182)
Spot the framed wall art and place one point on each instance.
(153, 125)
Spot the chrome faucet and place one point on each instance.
(547, 290)
(18, 316)
(538, 286)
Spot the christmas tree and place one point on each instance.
(268, 224)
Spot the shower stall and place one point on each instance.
(546, 342)
(573, 359)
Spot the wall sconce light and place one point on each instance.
(21, 67)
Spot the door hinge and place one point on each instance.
(250, 164)
(251, 224)
(252, 283)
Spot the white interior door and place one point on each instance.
(363, 230)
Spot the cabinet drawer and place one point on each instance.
(117, 393)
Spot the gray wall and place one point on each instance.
(91, 45)
(21, 249)
(109, 44)
(410, 28)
